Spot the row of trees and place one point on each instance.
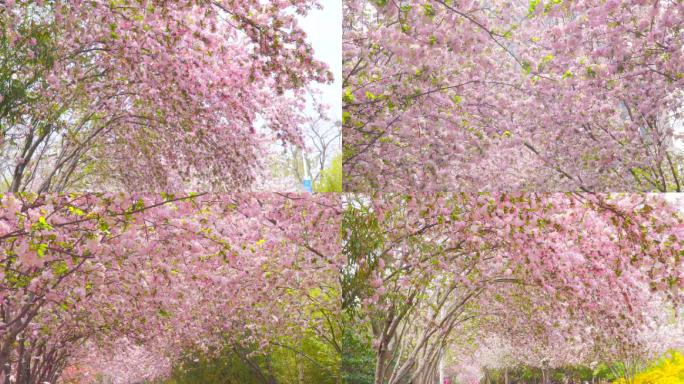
(539, 95)
(142, 96)
(461, 285)
(123, 287)
(381, 289)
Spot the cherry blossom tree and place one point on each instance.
(507, 95)
(154, 95)
(92, 282)
(563, 278)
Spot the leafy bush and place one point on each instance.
(667, 370)
(358, 359)
(310, 361)
(330, 179)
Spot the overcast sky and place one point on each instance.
(324, 30)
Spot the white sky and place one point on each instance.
(324, 30)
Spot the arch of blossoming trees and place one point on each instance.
(121, 285)
(536, 95)
(152, 95)
(124, 285)
(468, 282)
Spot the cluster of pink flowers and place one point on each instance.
(163, 95)
(98, 281)
(512, 95)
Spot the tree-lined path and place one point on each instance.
(124, 286)
(458, 285)
(150, 95)
(538, 95)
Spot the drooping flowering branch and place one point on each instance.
(503, 95)
(149, 96)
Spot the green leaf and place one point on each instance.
(60, 268)
(428, 10)
(348, 97)
(345, 117)
(41, 225)
(40, 249)
(76, 211)
(533, 6)
(527, 66)
(314, 292)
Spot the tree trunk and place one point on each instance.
(380, 366)
(300, 371)
(441, 368)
